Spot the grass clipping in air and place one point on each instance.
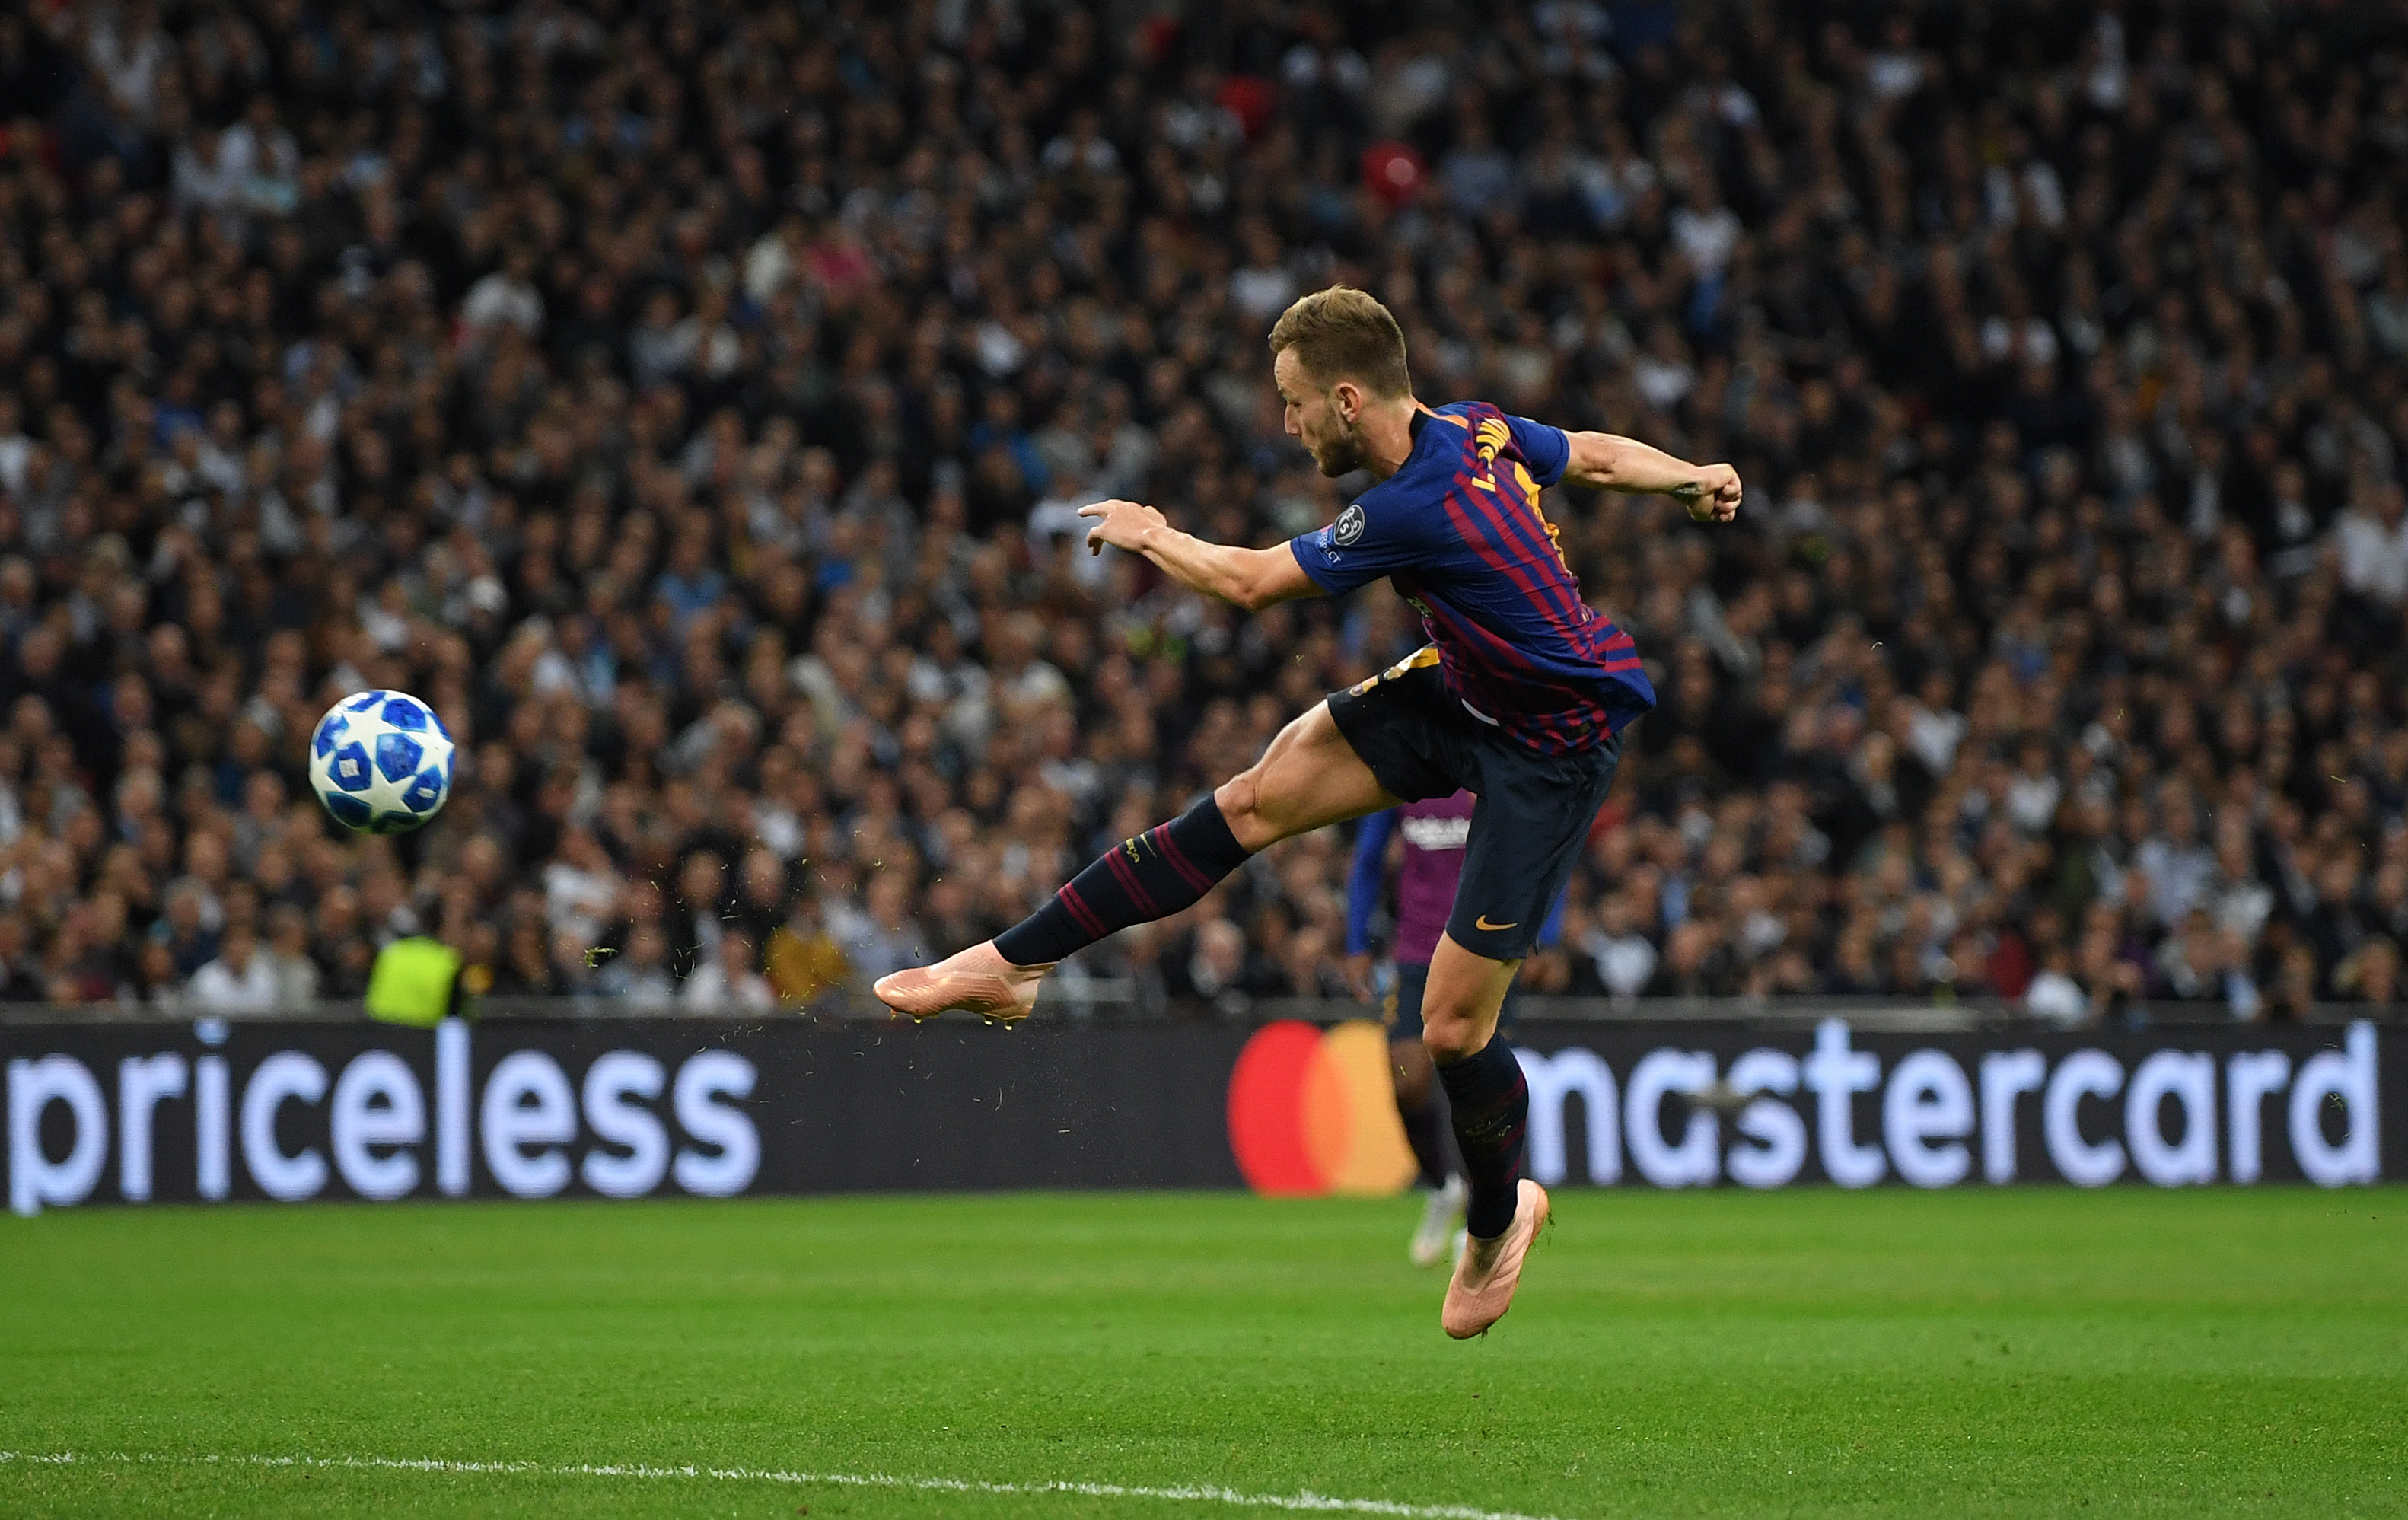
(2024, 1352)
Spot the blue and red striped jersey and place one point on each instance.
(1459, 532)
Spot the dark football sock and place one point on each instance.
(1426, 1132)
(1155, 875)
(1492, 1109)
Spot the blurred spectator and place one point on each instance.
(241, 980)
(2176, 867)
(2371, 975)
(2373, 535)
(802, 961)
(2053, 995)
(581, 886)
(728, 984)
(19, 983)
(639, 975)
(1623, 956)
(180, 929)
(297, 977)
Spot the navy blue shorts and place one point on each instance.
(1534, 810)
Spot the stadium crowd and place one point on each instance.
(693, 401)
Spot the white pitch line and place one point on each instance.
(1190, 1493)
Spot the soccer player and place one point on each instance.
(1520, 699)
(1433, 832)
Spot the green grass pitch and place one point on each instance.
(2022, 1351)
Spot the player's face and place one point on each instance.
(1316, 417)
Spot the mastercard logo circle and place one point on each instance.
(1314, 1111)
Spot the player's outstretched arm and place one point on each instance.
(1251, 578)
(1612, 463)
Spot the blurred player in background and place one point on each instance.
(1433, 832)
(1520, 697)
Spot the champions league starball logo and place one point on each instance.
(1349, 526)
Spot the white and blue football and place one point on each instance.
(380, 762)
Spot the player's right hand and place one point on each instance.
(1125, 524)
(1714, 497)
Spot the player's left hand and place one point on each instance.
(1358, 976)
(1125, 524)
(1714, 497)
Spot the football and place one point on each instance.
(380, 762)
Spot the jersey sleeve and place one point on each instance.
(1551, 933)
(1369, 877)
(1373, 538)
(1547, 448)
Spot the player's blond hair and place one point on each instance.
(1343, 334)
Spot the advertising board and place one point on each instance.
(630, 1108)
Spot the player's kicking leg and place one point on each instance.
(1308, 778)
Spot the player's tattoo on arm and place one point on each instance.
(1612, 463)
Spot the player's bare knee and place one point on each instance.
(1450, 1039)
(1240, 799)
